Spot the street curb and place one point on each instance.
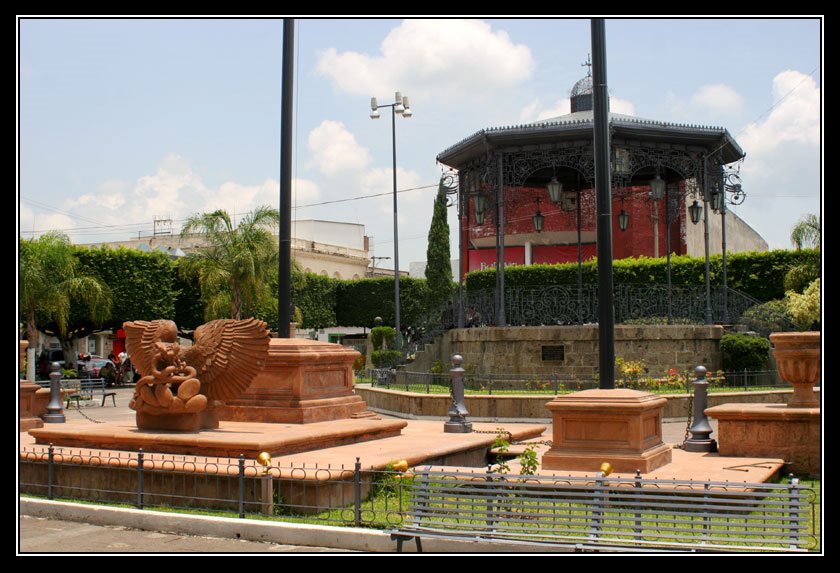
(302, 534)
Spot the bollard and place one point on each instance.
(458, 423)
(700, 440)
(140, 478)
(51, 472)
(357, 493)
(55, 413)
(241, 486)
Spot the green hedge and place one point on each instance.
(358, 302)
(760, 275)
(141, 283)
(744, 352)
(316, 299)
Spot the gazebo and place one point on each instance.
(526, 192)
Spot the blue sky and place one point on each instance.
(122, 121)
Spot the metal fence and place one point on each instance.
(565, 304)
(557, 383)
(614, 511)
(355, 496)
(344, 496)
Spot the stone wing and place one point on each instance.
(140, 338)
(227, 354)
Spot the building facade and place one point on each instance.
(526, 192)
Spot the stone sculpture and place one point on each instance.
(180, 387)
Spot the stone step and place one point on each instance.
(367, 414)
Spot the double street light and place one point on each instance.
(399, 107)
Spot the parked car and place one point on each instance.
(47, 357)
(98, 367)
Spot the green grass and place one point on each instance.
(384, 509)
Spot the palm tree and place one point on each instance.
(49, 280)
(806, 232)
(236, 265)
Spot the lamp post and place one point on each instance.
(451, 186)
(731, 185)
(399, 107)
(658, 191)
(706, 237)
(568, 200)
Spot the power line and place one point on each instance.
(124, 227)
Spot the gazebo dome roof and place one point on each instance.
(582, 86)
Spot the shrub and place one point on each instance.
(799, 277)
(744, 352)
(769, 317)
(385, 358)
(805, 308)
(359, 363)
(383, 337)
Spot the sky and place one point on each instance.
(122, 121)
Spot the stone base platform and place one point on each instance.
(229, 440)
(28, 408)
(622, 427)
(770, 429)
(294, 411)
(303, 382)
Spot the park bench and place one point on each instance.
(89, 388)
(606, 514)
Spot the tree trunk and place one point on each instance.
(67, 348)
(235, 302)
(32, 337)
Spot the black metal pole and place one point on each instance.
(723, 248)
(668, 254)
(284, 297)
(461, 211)
(606, 315)
(706, 237)
(396, 232)
(501, 320)
(580, 259)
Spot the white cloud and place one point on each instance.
(334, 149)
(174, 191)
(711, 103)
(43, 221)
(618, 105)
(421, 57)
(795, 120)
(781, 173)
(534, 112)
(719, 98)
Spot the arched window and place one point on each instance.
(336, 275)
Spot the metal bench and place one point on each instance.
(90, 387)
(606, 513)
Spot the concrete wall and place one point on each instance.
(740, 237)
(532, 408)
(519, 349)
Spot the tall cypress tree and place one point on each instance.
(438, 267)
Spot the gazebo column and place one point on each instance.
(529, 259)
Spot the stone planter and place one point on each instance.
(797, 357)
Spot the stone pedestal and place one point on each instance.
(304, 381)
(777, 430)
(622, 427)
(27, 407)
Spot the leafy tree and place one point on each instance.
(49, 278)
(806, 232)
(235, 267)
(438, 267)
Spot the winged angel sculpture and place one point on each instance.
(180, 387)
